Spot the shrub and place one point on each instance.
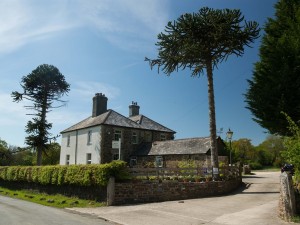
(80, 175)
(255, 165)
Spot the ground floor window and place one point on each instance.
(133, 161)
(89, 158)
(159, 162)
(116, 156)
(67, 159)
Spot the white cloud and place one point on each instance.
(26, 21)
(87, 89)
(129, 24)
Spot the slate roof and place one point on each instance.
(149, 124)
(188, 146)
(113, 118)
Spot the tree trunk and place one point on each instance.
(212, 118)
(39, 156)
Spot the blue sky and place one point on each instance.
(100, 46)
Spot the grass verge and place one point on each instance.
(58, 201)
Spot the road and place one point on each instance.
(255, 204)
(18, 212)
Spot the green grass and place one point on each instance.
(58, 201)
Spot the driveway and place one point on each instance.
(256, 203)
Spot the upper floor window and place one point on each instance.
(89, 137)
(68, 140)
(134, 138)
(117, 135)
(163, 137)
(89, 158)
(159, 161)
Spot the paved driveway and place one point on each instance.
(254, 204)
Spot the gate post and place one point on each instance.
(110, 191)
(287, 205)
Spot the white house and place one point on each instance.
(95, 139)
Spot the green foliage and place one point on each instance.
(80, 175)
(292, 144)
(255, 166)
(207, 37)
(275, 85)
(200, 41)
(43, 86)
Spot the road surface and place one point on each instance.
(19, 212)
(255, 204)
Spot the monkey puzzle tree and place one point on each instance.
(201, 41)
(43, 86)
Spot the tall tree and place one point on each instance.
(43, 86)
(200, 41)
(275, 85)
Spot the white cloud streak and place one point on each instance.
(23, 22)
(126, 24)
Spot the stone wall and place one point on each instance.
(153, 191)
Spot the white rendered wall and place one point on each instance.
(82, 147)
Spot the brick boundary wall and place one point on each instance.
(151, 191)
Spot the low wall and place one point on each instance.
(97, 193)
(150, 191)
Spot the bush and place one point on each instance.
(255, 166)
(80, 175)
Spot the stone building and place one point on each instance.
(170, 152)
(96, 138)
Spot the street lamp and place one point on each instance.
(229, 136)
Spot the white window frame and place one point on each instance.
(134, 137)
(67, 159)
(89, 137)
(159, 161)
(117, 134)
(88, 158)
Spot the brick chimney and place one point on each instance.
(134, 109)
(99, 104)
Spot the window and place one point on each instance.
(116, 156)
(133, 161)
(163, 137)
(89, 137)
(159, 161)
(67, 159)
(88, 158)
(68, 140)
(117, 135)
(134, 138)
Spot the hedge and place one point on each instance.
(80, 175)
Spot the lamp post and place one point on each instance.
(229, 136)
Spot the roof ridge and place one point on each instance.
(158, 123)
(109, 112)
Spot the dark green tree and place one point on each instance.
(200, 41)
(5, 154)
(275, 85)
(43, 86)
